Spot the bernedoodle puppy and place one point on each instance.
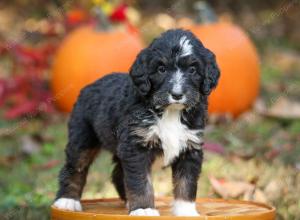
(159, 109)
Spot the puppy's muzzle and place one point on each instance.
(176, 97)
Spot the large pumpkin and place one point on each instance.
(88, 54)
(239, 64)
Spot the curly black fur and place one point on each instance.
(118, 112)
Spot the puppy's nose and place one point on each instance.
(176, 95)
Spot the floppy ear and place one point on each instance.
(211, 74)
(139, 73)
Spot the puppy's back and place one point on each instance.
(106, 98)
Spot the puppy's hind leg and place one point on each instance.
(118, 178)
(81, 150)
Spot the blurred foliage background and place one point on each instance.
(256, 155)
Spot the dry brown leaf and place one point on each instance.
(48, 165)
(231, 189)
(133, 15)
(259, 196)
(284, 59)
(285, 108)
(255, 195)
(282, 108)
(165, 21)
(273, 190)
(185, 22)
(29, 145)
(7, 160)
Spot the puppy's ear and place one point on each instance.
(139, 73)
(211, 74)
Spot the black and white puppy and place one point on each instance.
(158, 109)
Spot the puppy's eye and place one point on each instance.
(192, 69)
(161, 69)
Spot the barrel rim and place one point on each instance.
(269, 214)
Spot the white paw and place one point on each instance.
(68, 204)
(144, 212)
(184, 208)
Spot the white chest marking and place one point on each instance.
(174, 135)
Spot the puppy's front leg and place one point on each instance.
(185, 173)
(136, 163)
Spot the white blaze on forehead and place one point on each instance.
(186, 47)
(177, 80)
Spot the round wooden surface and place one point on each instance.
(209, 209)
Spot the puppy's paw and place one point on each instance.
(144, 212)
(68, 204)
(184, 208)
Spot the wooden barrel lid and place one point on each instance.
(209, 209)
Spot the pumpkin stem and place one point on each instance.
(103, 23)
(205, 13)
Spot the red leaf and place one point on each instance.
(26, 92)
(119, 14)
(48, 165)
(3, 49)
(214, 147)
(3, 90)
(29, 107)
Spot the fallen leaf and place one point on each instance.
(297, 165)
(273, 190)
(231, 189)
(285, 60)
(185, 22)
(48, 165)
(29, 145)
(273, 153)
(133, 15)
(255, 195)
(282, 108)
(26, 108)
(119, 13)
(165, 21)
(285, 108)
(7, 160)
(214, 147)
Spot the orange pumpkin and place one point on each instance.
(86, 55)
(239, 64)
